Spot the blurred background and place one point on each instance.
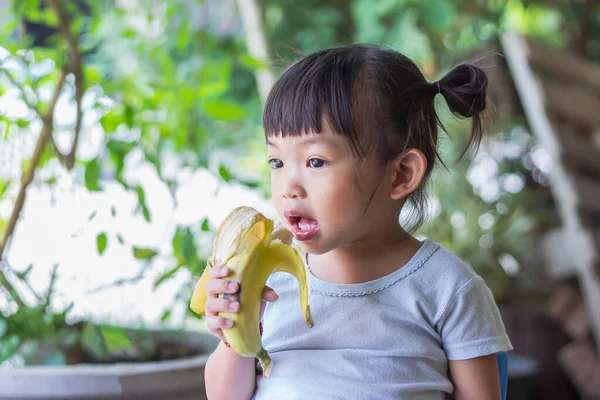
(130, 128)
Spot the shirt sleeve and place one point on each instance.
(471, 325)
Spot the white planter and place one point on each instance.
(181, 379)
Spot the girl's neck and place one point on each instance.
(367, 260)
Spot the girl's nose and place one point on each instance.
(293, 188)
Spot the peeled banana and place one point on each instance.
(247, 243)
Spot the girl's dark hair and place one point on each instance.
(379, 99)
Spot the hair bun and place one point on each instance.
(464, 87)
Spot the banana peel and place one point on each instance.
(248, 243)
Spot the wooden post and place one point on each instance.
(257, 45)
(564, 186)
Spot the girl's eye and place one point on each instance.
(316, 163)
(275, 163)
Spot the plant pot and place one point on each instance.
(179, 379)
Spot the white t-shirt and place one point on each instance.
(390, 338)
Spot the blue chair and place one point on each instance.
(503, 371)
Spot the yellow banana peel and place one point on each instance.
(253, 249)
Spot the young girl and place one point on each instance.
(351, 135)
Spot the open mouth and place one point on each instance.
(303, 227)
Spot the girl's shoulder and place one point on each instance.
(442, 270)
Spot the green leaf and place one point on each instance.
(144, 253)
(225, 174)
(7, 125)
(224, 110)
(92, 174)
(3, 327)
(142, 202)
(252, 63)
(115, 339)
(8, 346)
(92, 340)
(93, 215)
(214, 78)
(101, 241)
(92, 74)
(3, 187)
(183, 38)
(129, 116)
(184, 247)
(111, 120)
(120, 239)
(113, 211)
(438, 15)
(209, 89)
(167, 275)
(205, 225)
(166, 315)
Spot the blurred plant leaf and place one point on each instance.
(166, 315)
(184, 248)
(115, 339)
(438, 15)
(92, 175)
(225, 174)
(101, 242)
(144, 253)
(141, 194)
(8, 347)
(3, 327)
(205, 225)
(224, 110)
(167, 275)
(4, 185)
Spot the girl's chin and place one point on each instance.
(314, 247)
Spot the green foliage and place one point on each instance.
(101, 242)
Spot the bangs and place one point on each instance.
(321, 85)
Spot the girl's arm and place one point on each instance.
(228, 375)
(476, 378)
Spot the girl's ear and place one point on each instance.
(407, 172)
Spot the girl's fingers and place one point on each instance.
(215, 324)
(214, 287)
(218, 271)
(215, 305)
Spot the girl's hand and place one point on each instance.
(217, 285)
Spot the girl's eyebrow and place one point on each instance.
(308, 141)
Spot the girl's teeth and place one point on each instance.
(304, 227)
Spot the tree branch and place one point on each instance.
(76, 67)
(121, 282)
(26, 180)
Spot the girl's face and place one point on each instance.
(321, 191)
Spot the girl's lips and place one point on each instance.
(303, 228)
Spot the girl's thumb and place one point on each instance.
(269, 294)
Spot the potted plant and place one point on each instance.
(145, 83)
